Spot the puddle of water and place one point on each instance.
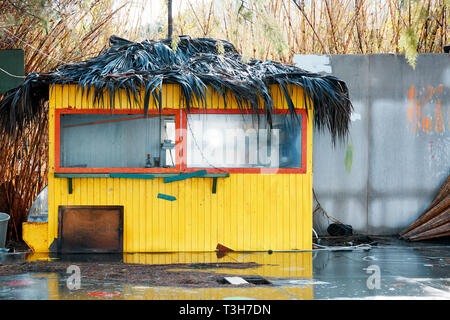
(403, 272)
(53, 287)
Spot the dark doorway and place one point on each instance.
(90, 229)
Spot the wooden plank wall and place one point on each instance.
(248, 212)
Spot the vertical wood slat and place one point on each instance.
(51, 159)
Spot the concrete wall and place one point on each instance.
(398, 151)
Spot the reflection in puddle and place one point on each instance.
(276, 265)
(293, 275)
(53, 287)
(280, 264)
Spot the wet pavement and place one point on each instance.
(393, 270)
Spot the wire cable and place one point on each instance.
(315, 233)
(36, 49)
(12, 75)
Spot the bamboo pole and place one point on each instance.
(436, 210)
(439, 204)
(433, 223)
(438, 232)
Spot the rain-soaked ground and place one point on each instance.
(392, 269)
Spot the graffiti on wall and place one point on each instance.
(429, 117)
(426, 114)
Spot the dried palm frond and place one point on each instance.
(196, 64)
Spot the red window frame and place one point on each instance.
(178, 137)
(304, 131)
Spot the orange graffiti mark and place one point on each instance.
(419, 112)
(411, 96)
(412, 110)
(427, 124)
(439, 123)
(427, 94)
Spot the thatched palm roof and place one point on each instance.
(194, 64)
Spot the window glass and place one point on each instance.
(243, 141)
(117, 141)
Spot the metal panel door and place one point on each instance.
(90, 229)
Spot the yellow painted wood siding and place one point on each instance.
(248, 212)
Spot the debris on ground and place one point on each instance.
(102, 294)
(339, 229)
(18, 283)
(235, 280)
(154, 275)
(222, 250)
(352, 240)
(17, 246)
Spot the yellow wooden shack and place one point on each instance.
(176, 167)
